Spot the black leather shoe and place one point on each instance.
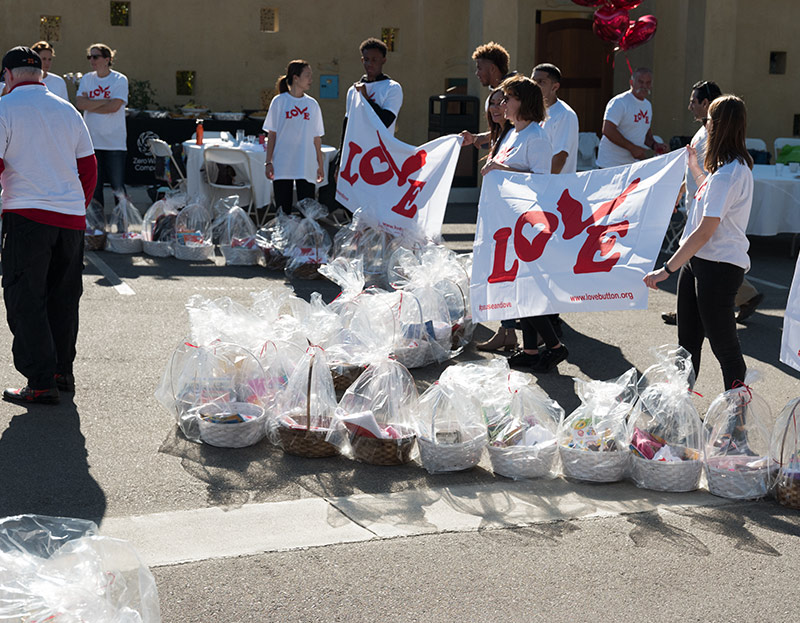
(669, 318)
(26, 395)
(550, 358)
(521, 359)
(65, 382)
(746, 309)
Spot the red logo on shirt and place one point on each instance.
(698, 195)
(297, 112)
(641, 116)
(503, 154)
(100, 93)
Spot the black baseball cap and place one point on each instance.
(21, 57)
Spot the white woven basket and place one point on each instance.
(157, 248)
(240, 256)
(523, 461)
(748, 484)
(199, 253)
(117, 244)
(594, 466)
(663, 476)
(450, 457)
(414, 357)
(233, 435)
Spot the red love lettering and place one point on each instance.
(599, 241)
(572, 210)
(368, 172)
(530, 250)
(499, 272)
(411, 194)
(352, 153)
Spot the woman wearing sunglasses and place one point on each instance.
(102, 95)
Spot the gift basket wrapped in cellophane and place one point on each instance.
(305, 412)
(219, 212)
(279, 359)
(216, 393)
(524, 444)
(95, 235)
(786, 452)
(237, 238)
(371, 245)
(375, 417)
(158, 229)
(225, 320)
(436, 328)
(666, 434)
(309, 244)
(737, 439)
(61, 570)
(451, 431)
(193, 233)
(125, 228)
(274, 238)
(593, 439)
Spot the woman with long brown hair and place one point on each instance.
(712, 256)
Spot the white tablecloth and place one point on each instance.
(776, 202)
(262, 186)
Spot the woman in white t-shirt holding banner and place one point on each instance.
(712, 256)
(294, 137)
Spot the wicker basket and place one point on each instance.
(232, 435)
(663, 476)
(344, 375)
(117, 244)
(274, 258)
(240, 256)
(306, 442)
(609, 466)
(157, 248)
(451, 457)
(523, 461)
(383, 451)
(788, 490)
(737, 484)
(95, 242)
(414, 356)
(194, 253)
(308, 270)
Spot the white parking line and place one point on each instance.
(120, 286)
(767, 283)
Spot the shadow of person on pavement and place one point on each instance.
(44, 466)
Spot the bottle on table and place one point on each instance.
(199, 132)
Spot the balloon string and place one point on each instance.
(627, 60)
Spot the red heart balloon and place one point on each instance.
(610, 24)
(625, 5)
(591, 3)
(639, 32)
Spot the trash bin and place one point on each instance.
(450, 114)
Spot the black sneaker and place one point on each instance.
(65, 382)
(550, 358)
(746, 309)
(669, 317)
(521, 359)
(26, 395)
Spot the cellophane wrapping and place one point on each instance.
(359, 241)
(375, 419)
(60, 569)
(237, 238)
(309, 244)
(125, 228)
(274, 239)
(451, 431)
(786, 453)
(159, 221)
(194, 233)
(96, 226)
(737, 454)
(593, 439)
(523, 444)
(216, 392)
(666, 434)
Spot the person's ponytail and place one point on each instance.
(282, 85)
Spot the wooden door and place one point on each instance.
(587, 75)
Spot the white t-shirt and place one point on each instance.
(632, 117)
(726, 194)
(55, 84)
(528, 150)
(386, 94)
(297, 121)
(561, 127)
(41, 139)
(699, 141)
(107, 130)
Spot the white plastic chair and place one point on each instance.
(161, 149)
(780, 142)
(213, 157)
(587, 151)
(755, 143)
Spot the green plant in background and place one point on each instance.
(141, 95)
(184, 82)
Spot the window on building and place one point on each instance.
(269, 20)
(50, 28)
(389, 37)
(184, 82)
(120, 13)
(777, 62)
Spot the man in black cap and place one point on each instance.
(48, 173)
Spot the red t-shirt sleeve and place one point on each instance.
(87, 172)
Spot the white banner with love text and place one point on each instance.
(566, 243)
(790, 343)
(400, 188)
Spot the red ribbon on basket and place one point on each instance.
(738, 384)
